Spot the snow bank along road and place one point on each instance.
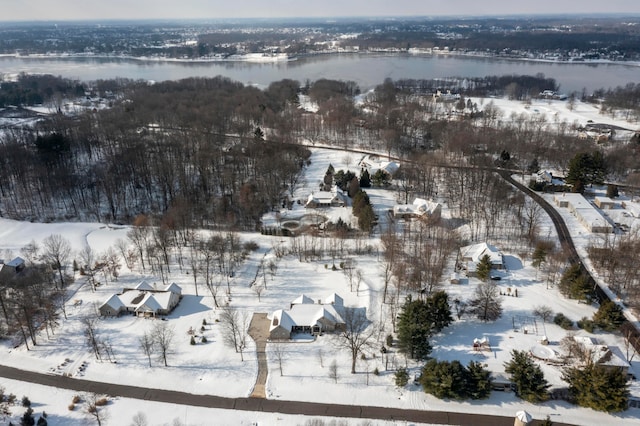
(258, 404)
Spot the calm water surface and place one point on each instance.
(366, 70)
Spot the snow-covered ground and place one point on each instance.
(213, 368)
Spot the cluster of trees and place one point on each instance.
(163, 148)
(363, 210)
(586, 169)
(34, 297)
(514, 86)
(419, 320)
(615, 259)
(576, 283)
(452, 380)
(38, 89)
(527, 376)
(27, 419)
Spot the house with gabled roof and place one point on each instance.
(470, 256)
(334, 198)
(305, 316)
(420, 208)
(143, 300)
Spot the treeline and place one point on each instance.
(37, 89)
(515, 86)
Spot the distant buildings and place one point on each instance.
(586, 214)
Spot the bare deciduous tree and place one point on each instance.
(91, 333)
(279, 353)
(95, 407)
(235, 326)
(333, 371)
(486, 303)
(56, 251)
(357, 333)
(163, 340)
(139, 419)
(88, 259)
(147, 344)
(543, 311)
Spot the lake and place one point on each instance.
(366, 70)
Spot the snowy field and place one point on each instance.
(212, 368)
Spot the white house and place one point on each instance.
(143, 300)
(420, 208)
(305, 316)
(333, 198)
(470, 256)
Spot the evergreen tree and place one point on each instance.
(533, 167)
(365, 179)
(597, 387)
(527, 376)
(414, 329)
(478, 381)
(353, 187)
(585, 169)
(27, 418)
(575, 284)
(444, 379)
(439, 311)
(539, 255)
(609, 316)
(363, 210)
(380, 178)
(483, 269)
(401, 377)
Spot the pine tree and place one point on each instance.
(478, 381)
(414, 329)
(27, 418)
(483, 270)
(444, 379)
(439, 311)
(365, 179)
(609, 316)
(527, 376)
(597, 387)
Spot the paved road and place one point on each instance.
(259, 404)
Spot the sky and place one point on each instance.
(45, 10)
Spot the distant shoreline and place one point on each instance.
(260, 58)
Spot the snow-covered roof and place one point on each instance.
(151, 304)
(144, 285)
(174, 288)
(302, 299)
(282, 319)
(419, 207)
(14, 263)
(114, 302)
(475, 252)
(334, 299)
